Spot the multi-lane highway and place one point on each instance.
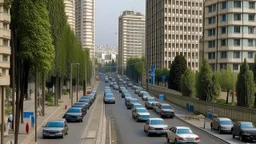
(131, 132)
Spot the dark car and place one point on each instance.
(245, 131)
(130, 84)
(138, 89)
(115, 87)
(111, 84)
(94, 92)
(164, 110)
(56, 128)
(222, 124)
(109, 98)
(83, 105)
(87, 97)
(74, 114)
(125, 93)
(130, 101)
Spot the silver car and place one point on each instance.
(149, 102)
(140, 114)
(136, 105)
(57, 128)
(145, 95)
(155, 126)
(180, 134)
(222, 124)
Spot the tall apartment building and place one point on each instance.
(5, 51)
(229, 33)
(70, 13)
(85, 24)
(131, 36)
(173, 27)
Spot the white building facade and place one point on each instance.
(70, 13)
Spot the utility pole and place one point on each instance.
(71, 87)
(77, 83)
(36, 94)
(43, 94)
(2, 114)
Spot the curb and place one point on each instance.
(202, 130)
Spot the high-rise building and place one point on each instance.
(70, 13)
(5, 51)
(229, 33)
(173, 27)
(131, 36)
(85, 24)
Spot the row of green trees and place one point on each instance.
(43, 46)
(135, 68)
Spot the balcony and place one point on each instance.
(4, 64)
(5, 17)
(5, 50)
(4, 80)
(5, 33)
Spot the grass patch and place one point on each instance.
(65, 92)
(222, 101)
(8, 110)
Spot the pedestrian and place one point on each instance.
(10, 118)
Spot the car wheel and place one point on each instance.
(219, 130)
(176, 142)
(137, 119)
(62, 137)
(81, 120)
(148, 133)
(233, 135)
(114, 102)
(167, 139)
(145, 130)
(44, 137)
(241, 138)
(211, 127)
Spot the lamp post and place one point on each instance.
(71, 87)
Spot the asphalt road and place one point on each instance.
(76, 130)
(131, 132)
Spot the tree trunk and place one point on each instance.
(227, 96)
(60, 87)
(21, 92)
(17, 118)
(56, 92)
(254, 100)
(43, 94)
(36, 101)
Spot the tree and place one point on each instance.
(254, 78)
(207, 86)
(135, 68)
(226, 80)
(158, 75)
(178, 67)
(188, 83)
(245, 86)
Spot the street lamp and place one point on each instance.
(71, 87)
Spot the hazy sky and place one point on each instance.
(107, 13)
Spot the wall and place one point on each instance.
(233, 112)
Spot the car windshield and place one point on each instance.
(151, 99)
(157, 122)
(134, 101)
(142, 110)
(166, 107)
(145, 94)
(247, 125)
(55, 124)
(78, 104)
(109, 96)
(184, 131)
(225, 122)
(74, 111)
(138, 106)
(84, 100)
(138, 88)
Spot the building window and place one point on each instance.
(237, 4)
(5, 26)
(213, 67)
(250, 54)
(223, 5)
(5, 43)
(251, 5)
(211, 44)
(211, 8)
(223, 30)
(211, 55)
(236, 29)
(211, 32)
(223, 18)
(236, 42)
(236, 54)
(223, 54)
(223, 42)
(250, 30)
(223, 66)
(3, 71)
(251, 17)
(237, 17)
(235, 66)
(250, 42)
(5, 58)
(211, 20)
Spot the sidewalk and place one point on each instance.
(50, 112)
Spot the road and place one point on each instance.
(131, 132)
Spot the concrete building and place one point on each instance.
(85, 24)
(5, 52)
(229, 33)
(173, 27)
(131, 36)
(70, 12)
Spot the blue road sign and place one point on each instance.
(27, 114)
(152, 74)
(32, 121)
(161, 97)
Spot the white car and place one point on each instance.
(140, 114)
(180, 134)
(155, 126)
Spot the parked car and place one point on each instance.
(109, 98)
(222, 125)
(115, 87)
(86, 101)
(91, 99)
(83, 105)
(56, 128)
(137, 90)
(154, 105)
(141, 93)
(130, 84)
(149, 101)
(145, 95)
(164, 110)
(74, 114)
(155, 126)
(181, 134)
(136, 105)
(130, 101)
(245, 131)
(140, 114)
